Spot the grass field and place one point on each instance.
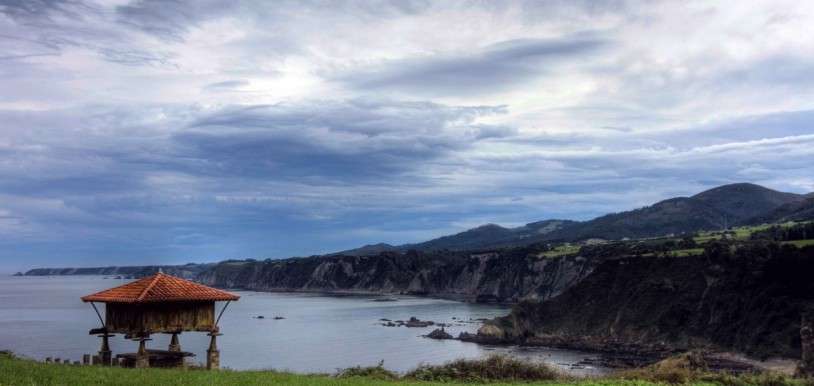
(672, 371)
(800, 243)
(741, 233)
(562, 250)
(17, 372)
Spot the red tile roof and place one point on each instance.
(160, 288)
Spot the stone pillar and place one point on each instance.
(142, 357)
(807, 343)
(105, 355)
(175, 346)
(212, 354)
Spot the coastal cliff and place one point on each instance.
(748, 299)
(188, 271)
(503, 276)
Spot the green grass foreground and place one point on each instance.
(672, 371)
(21, 372)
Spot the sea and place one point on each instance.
(305, 333)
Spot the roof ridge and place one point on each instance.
(160, 287)
(150, 286)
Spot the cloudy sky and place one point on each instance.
(173, 131)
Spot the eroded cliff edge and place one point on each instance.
(504, 276)
(748, 299)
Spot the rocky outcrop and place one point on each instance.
(418, 323)
(504, 276)
(487, 334)
(439, 334)
(748, 300)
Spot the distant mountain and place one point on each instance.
(793, 211)
(673, 216)
(724, 206)
(493, 236)
(741, 202)
(717, 208)
(368, 250)
(482, 237)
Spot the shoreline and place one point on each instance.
(620, 355)
(337, 293)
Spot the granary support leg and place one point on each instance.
(175, 345)
(105, 355)
(212, 354)
(142, 357)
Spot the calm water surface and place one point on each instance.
(43, 317)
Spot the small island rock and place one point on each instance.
(440, 334)
(415, 322)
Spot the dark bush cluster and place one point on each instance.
(803, 231)
(490, 369)
(374, 372)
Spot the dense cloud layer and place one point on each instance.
(496, 68)
(154, 131)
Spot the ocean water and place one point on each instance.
(43, 317)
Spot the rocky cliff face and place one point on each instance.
(750, 300)
(506, 276)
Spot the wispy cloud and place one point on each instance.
(227, 85)
(198, 130)
(491, 69)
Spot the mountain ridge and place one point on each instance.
(716, 208)
(712, 209)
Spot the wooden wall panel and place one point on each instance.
(160, 317)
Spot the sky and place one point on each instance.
(143, 132)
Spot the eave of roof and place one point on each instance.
(160, 288)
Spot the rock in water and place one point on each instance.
(415, 322)
(487, 334)
(439, 333)
(491, 331)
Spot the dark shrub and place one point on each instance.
(374, 372)
(493, 368)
